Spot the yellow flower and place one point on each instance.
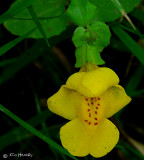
(88, 99)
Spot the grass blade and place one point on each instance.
(7, 62)
(36, 20)
(38, 49)
(23, 4)
(19, 133)
(129, 42)
(136, 31)
(35, 132)
(23, 60)
(14, 42)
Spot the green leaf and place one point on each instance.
(108, 10)
(81, 56)
(93, 56)
(129, 42)
(97, 34)
(82, 12)
(101, 34)
(80, 37)
(90, 43)
(87, 53)
(35, 132)
(42, 8)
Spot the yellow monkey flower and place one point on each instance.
(88, 99)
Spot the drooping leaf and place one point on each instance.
(82, 12)
(108, 11)
(43, 8)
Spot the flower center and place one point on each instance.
(92, 111)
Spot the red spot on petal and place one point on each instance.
(98, 104)
(91, 98)
(88, 104)
(88, 110)
(95, 118)
(86, 99)
(91, 102)
(89, 123)
(96, 107)
(95, 123)
(89, 114)
(98, 98)
(86, 120)
(95, 112)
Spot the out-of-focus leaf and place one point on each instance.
(138, 14)
(7, 62)
(43, 8)
(108, 10)
(17, 8)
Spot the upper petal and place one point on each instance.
(75, 138)
(93, 83)
(105, 138)
(64, 103)
(115, 99)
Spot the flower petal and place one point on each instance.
(64, 103)
(75, 138)
(93, 83)
(115, 99)
(105, 138)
